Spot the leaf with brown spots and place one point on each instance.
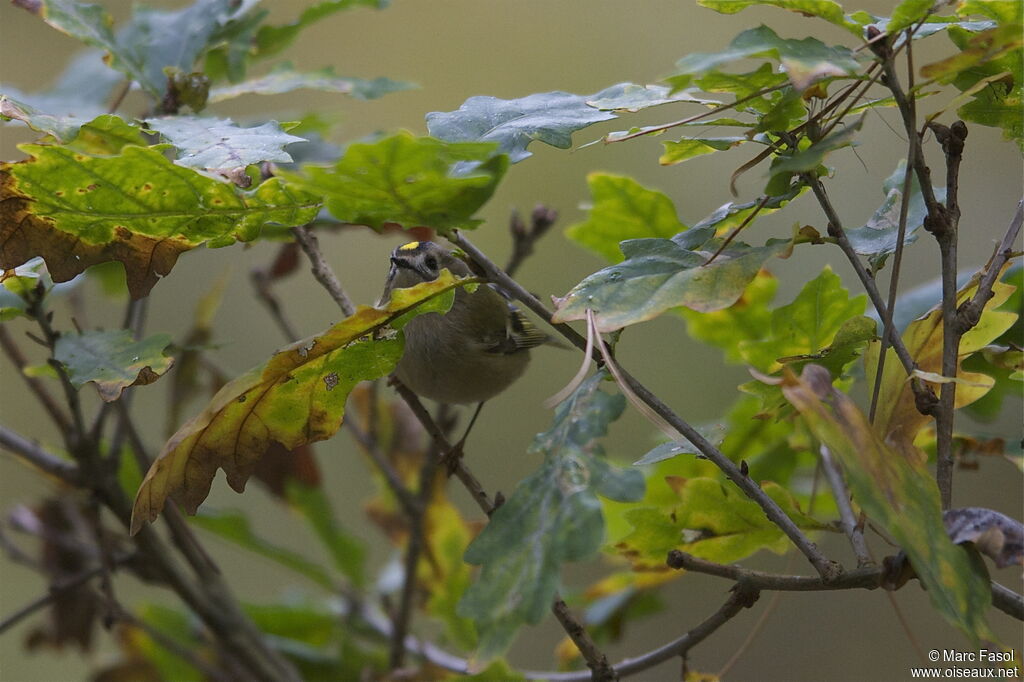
(297, 397)
(75, 210)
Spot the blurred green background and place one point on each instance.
(454, 49)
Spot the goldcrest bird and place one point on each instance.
(469, 354)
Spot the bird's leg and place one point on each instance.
(452, 457)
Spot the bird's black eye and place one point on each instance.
(431, 263)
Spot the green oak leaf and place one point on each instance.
(552, 517)
(218, 143)
(828, 10)
(894, 488)
(712, 520)
(137, 207)
(105, 135)
(149, 42)
(551, 117)
(285, 78)
(660, 274)
(746, 320)
(806, 325)
(879, 236)
(297, 397)
(407, 180)
(806, 61)
(677, 151)
(112, 360)
(907, 13)
(623, 209)
(62, 128)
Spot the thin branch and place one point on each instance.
(413, 550)
(34, 454)
(125, 87)
(835, 229)
(1008, 601)
(969, 313)
(851, 527)
(894, 276)
(742, 597)
(691, 119)
(523, 239)
(56, 412)
(600, 669)
(410, 505)
(50, 336)
(262, 278)
(824, 566)
(321, 270)
(868, 577)
(446, 449)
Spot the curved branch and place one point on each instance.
(34, 454)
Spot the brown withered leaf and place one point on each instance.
(24, 236)
(297, 397)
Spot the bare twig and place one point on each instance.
(848, 519)
(524, 239)
(76, 432)
(321, 270)
(868, 577)
(835, 229)
(262, 278)
(409, 503)
(34, 454)
(446, 449)
(600, 669)
(56, 412)
(913, 150)
(894, 275)
(742, 597)
(824, 566)
(413, 550)
(969, 313)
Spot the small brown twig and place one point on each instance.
(413, 551)
(321, 270)
(35, 455)
(524, 239)
(262, 278)
(20, 362)
(600, 669)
